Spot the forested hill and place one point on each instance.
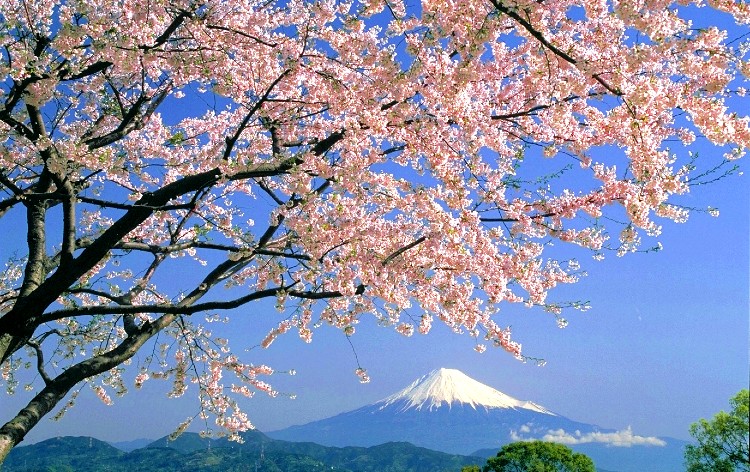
(192, 453)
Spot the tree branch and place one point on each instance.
(232, 140)
(36, 241)
(531, 30)
(17, 428)
(40, 361)
(174, 309)
(120, 299)
(510, 116)
(164, 37)
(17, 192)
(132, 119)
(186, 308)
(402, 250)
(22, 319)
(243, 34)
(540, 37)
(125, 206)
(93, 69)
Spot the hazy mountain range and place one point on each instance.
(440, 422)
(258, 453)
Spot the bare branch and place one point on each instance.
(40, 361)
(124, 206)
(181, 308)
(186, 308)
(93, 69)
(121, 299)
(243, 34)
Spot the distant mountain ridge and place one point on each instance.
(193, 453)
(190, 452)
(132, 445)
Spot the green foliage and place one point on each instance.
(538, 456)
(723, 443)
(471, 468)
(191, 453)
(65, 454)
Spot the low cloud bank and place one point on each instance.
(623, 438)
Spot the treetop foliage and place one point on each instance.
(723, 442)
(538, 456)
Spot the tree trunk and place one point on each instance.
(16, 429)
(6, 445)
(13, 432)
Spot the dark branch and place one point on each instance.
(40, 361)
(95, 68)
(164, 37)
(133, 119)
(540, 37)
(173, 309)
(402, 250)
(531, 30)
(242, 33)
(321, 147)
(232, 140)
(125, 206)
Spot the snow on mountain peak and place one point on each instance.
(453, 386)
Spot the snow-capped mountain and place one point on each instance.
(443, 387)
(445, 410)
(448, 411)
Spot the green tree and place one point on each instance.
(723, 443)
(538, 456)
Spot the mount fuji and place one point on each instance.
(448, 411)
(445, 410)
(450, 386)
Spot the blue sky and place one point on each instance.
(665, 343)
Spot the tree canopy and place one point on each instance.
(538, 456)
(723, 442)
(414, 163)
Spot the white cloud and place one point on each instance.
(622, 438)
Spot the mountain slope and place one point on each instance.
(131, 445)
(76, 453)
(460, 429)
(444, 410)
(192, 453)
(448, 411)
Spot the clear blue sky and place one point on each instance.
(665, 343)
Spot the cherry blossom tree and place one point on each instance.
(409, 162)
